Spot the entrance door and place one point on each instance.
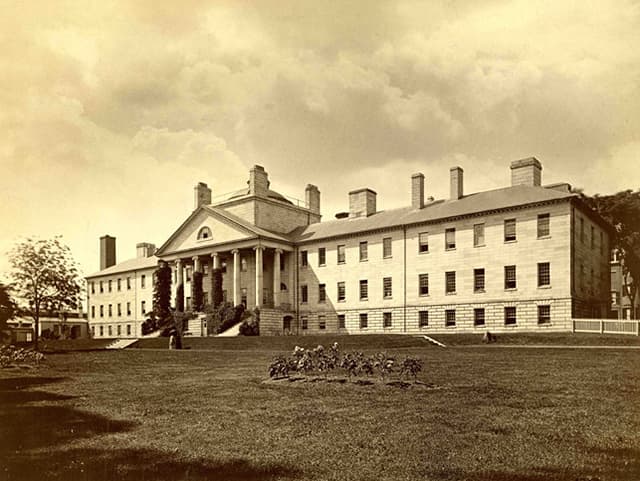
(286, 325)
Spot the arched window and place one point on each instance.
(204, 233)
(283, 286)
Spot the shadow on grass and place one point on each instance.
(34, 432)
(135, 465)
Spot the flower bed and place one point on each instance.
(12, 356)
(320, 364)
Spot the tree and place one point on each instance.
(622, 211)
(196, 291)
(216, 287)
(8, 307)
(45, 277)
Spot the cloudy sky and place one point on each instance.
(111, 111)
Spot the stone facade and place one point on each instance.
(521, 258)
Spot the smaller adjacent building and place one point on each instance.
(120, 294)
(620, 301)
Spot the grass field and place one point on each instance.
(494, 414)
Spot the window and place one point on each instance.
(143, 307)
(304, 321)
(243, 268)
(544, 314)
(128, 308)
(478, 280)
(110, 331)
(143, 280)
(386, 319)
(110, 284)
(119, 308)
(450, 239)
(509, 277)
(304, 260)
(364, 251)
(387, 291)
(423, 318)
(322, 323)
(101, 287)
(593, 237)
(450, 282)
(322, 293)
(341, 291)
(243, 296)
(582, 229)
(128, 329)
(128, 283)
(205, 269)
(119, 329)
(423, 242)
(364, 321)
(101, 310)
(601, 242)
(544, 274)
(364, 290)
(93, 312)
(119, 284)
(341, 321)
(110, 310)
(423, 283)
(204, 233)
(322, 256)
(93, 331)
(478, 316)
(386, 247)
(341, 254)
(205, 299)
(543, 225)
(101, 331)
(615, 298)
(509, 315)
(304, 293)
(450, 317)
(509, 230)
(478, 235)
(93, 287)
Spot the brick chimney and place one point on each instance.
(312, 196)
(258, 181)
(107, 251)
(145, 249)
(526, 172)
(202, 195)
(456, 183)
(417, 190)
(362, 203)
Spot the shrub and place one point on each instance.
(251, 325)
(411, 366)
(11, 355)
(384, 364)
(196, 291)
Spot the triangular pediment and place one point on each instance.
(219, 230)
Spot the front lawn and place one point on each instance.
(495, 414)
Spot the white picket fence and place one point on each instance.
(607, 326)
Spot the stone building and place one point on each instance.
(525, 257)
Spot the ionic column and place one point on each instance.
(216, 260)
(276, 277)
(259, 275)
(196, 264)
(236, 276)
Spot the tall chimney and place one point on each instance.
(258, 181)
(202, 195)
(456, 183)
(526, 172)
(362, 202)
(417, 190)
(312, 196)
(145, 249)
(107, 251)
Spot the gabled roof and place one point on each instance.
(224, 216)
(472, 204)
(136, 264)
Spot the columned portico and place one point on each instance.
(216, 260)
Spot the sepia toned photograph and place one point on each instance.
(279, 240)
